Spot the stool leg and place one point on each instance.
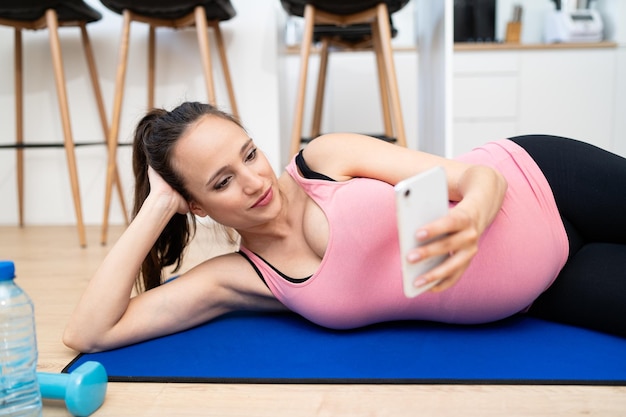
(55, 47)
(382, 81)
(151, 64)
(115, 121)
(93, 72)
(384, 29)
(225, 69)
(202, 31)
(316, 125)
(19, 124)
(305, 50)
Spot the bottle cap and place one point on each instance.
(7, 270)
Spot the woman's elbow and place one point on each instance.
(79, 341)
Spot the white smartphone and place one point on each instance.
(420, 199)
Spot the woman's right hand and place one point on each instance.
(161, 189)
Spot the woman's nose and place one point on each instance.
(252, 182)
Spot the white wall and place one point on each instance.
(251, 39)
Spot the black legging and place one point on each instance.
(589, 186)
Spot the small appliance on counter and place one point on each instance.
(581, 24)
(474, 20)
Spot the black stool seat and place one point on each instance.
(159, 9)
(351, 34)
(354, 34)
(67, 10)
(296, 7)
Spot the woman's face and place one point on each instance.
(228, 178)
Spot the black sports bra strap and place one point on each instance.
(307, 172)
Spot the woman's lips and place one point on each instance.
(265, 199)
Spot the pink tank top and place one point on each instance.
(359, 279)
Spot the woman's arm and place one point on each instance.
(479, 191)
(107, 317)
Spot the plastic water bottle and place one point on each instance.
(19, 389)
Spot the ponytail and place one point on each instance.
(170, 245)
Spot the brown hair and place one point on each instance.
(155, 137)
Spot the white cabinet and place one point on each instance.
(619, 123)
(568, 92)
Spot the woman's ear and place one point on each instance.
(196, 209)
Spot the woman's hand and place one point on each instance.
(482, 192)
(165, 193)
(459, 239)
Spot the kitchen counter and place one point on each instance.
(496, 46)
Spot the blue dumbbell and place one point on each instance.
(82, 390)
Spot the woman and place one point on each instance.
(321, 238)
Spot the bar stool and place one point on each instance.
(175, 14)
(42, 14)
(354, 25)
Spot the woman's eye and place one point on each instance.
(222, 184)
(251, 155)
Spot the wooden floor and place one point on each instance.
(53, 269)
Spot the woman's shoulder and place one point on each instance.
(331, 154)
(230, 272)
(224, 265)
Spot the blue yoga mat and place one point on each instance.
(284, 348)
